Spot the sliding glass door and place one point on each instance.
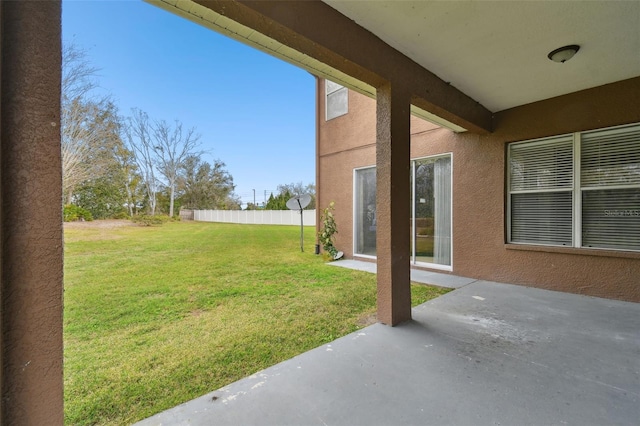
(430, 211)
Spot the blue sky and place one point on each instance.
(254, 112)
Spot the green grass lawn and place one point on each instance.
(156, 316)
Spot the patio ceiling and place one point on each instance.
(485, 56)
(496, 52)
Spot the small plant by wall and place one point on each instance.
(328, 229)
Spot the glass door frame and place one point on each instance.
(413, 258)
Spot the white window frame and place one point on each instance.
(577, 189)
(532, 143)
(328, 93)
(355, 212)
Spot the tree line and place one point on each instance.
(115, 166)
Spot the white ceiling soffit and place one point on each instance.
(496, 52)
(221, 24)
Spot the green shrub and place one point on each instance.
(147, 220)
(71, 213)
(120, 215)
(329, 228)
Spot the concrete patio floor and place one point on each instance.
(417, 275)
(484, 354)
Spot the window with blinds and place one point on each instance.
(541, 188)
(610, 188)
(579, 190)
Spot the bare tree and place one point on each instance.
(75, 145)
(89, 124)
(173, 146)
(77, 81)
(77, 73)
(138, 133)
(131, 179)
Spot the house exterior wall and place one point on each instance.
(479, 169)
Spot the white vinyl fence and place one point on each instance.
(259, 217)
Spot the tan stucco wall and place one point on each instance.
(479, 248)
(345, 142)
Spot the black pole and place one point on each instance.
(301, 227)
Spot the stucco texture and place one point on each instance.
(479, 161)
(31, 182)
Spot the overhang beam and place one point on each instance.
(322, 33)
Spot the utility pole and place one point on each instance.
(254, 198)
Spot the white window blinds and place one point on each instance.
(610, 184)
(542, 165)
(541, 181)
(578, 190)
(611, 158)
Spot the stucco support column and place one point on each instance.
(30, 213)
(392, 201)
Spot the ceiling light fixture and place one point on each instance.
(563, 54)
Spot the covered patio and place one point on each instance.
(484, 354)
